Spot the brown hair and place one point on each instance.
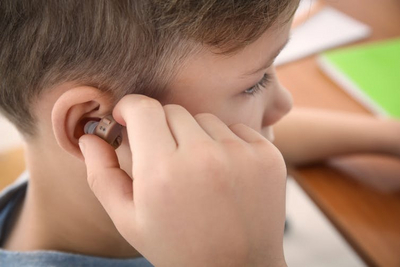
(119, 46)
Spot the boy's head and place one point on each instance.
(123, 47)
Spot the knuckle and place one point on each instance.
(205, 117)
(234, 145)
(174, 107)
(264, 145)
(209, 157)
(212, 162)
(133, 103)
(269, 158)
(92, 180)
(204, 150)
(214, 167)
(148, 103)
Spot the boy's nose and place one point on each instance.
(281, 105)
(286, 100)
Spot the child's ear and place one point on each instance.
(72, 110)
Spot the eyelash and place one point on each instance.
(259, 86)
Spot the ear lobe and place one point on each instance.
(72, 110)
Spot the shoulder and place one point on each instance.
(60, 259)
(9, 199)
(10, 191)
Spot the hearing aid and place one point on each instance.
(107, 129)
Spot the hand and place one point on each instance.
(308, 135)
(203, 193)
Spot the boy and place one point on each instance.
(64, 63)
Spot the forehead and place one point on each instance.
(208, 63)
(257, 54)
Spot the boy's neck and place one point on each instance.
(59, 212)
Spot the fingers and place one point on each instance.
(246, 133)
(214, 127)
(111, 185)
(219, 131)
(155, 131)
(183, 126)
(148, 131)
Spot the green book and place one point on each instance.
(370, 73)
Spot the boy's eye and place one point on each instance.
(258, 87)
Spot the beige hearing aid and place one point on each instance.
(107, 129)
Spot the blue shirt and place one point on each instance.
(9, 200)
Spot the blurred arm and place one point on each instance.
(309, 135)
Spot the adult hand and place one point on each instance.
(202, 194)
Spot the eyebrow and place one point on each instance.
(270, 61)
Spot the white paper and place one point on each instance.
(305, 7)
(327, 29)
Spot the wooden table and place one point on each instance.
(360, 195)
(12, 164)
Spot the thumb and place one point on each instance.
(111, 185)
